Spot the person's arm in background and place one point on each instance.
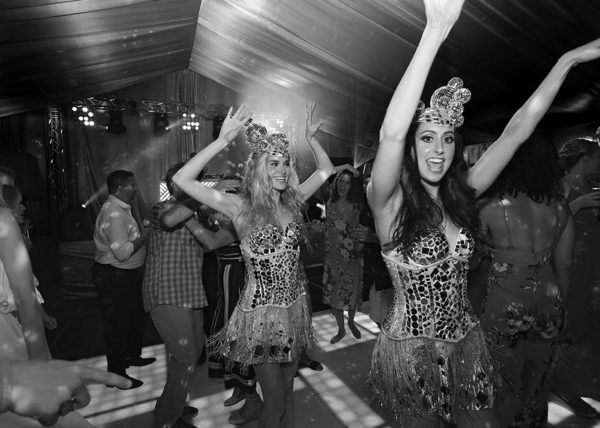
(118, 237)
(210, 240)
(15, 258)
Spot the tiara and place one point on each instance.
(446, 105)
(260, 141)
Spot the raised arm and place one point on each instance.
(526, 119)
(383, 192)
(17, 264)
(324, 165)
(185, 178)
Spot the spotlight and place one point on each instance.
(115, 122)
(161, 124)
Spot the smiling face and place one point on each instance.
(434, 151)
(343, 184)
(278, 168)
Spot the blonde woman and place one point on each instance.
(270, 326)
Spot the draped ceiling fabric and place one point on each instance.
(56, 51)
(348, 55)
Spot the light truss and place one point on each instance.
(208, 111)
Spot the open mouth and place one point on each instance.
(435, 164)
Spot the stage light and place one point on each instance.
(161, 123)
(115, 122)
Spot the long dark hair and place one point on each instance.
(534, 171)
(420, 212)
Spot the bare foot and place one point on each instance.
(338, 337)
(355, 331)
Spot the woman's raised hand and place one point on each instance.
(311, 128)
(442, 13)
(235, 122)
(584, 53)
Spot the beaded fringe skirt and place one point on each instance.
(266, 334)
(428, 378)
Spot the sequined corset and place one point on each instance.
(271, 257)
(430, 288)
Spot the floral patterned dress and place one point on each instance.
(522, 317)
(343, 263)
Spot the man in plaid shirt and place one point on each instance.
(174, 296)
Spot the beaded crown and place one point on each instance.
(260, 141)
(446, 105)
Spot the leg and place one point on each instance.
(179, 329)
(339, 317)
(273, 386)
(355, 331)
(288, 372)
(137, 316)
(111, 284)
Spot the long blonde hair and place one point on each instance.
(259, 206)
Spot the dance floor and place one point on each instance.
(336, 397)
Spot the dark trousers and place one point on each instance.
(120, 291)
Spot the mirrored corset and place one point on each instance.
(430, 287)
(272, 266)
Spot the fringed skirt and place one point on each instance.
(266, 334)
(428, 378)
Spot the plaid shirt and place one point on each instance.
(173, 265)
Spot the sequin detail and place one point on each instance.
(271, 322)
(430, 357)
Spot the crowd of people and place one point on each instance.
(525, 213)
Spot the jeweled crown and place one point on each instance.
(446, 105)
(260, 141)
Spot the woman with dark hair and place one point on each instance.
(343, 262)
(530, 233)
(579, 375)
(430, 363)
(270, 325)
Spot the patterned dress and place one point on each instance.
(271, 322)
(343, 263)
(430, 358)
(522, 317)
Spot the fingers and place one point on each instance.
(81, 398)
(94, 376)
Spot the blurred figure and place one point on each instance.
(530, 233)
(343, 263)
(21, 328)
(13, 198)
(118, 272)
(580, 375)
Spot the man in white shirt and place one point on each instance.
(118, 273)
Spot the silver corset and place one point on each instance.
(272, 258)
(430, 288)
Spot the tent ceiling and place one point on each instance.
(348, 55)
